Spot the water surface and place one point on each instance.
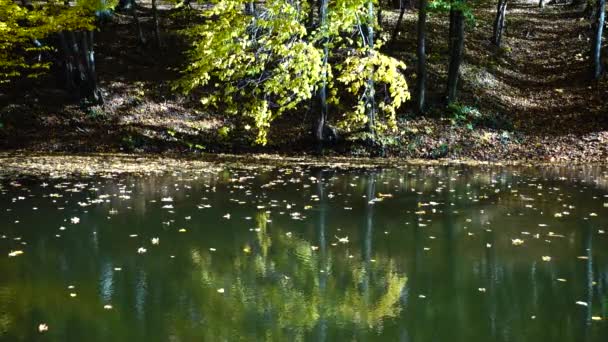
(425, 253)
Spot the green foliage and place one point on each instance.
(443, 6)
(183, 140)
(95, 112)
(223, 132)
(463, 115)
(440, 151)
(20, 27)
(263, 65)
(470, 117)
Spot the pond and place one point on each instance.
(418, 253)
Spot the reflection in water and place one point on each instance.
(416, 254)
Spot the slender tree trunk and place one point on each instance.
(370, 104)
(379, 16)
(456, 52)
(156, 24)
(93, 91)
(541, 3)
(499, 22)
(596, 52)
(140, 32)
(421, 54)
(319, 129)
(398, 25)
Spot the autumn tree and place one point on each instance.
(28, 31)
(264, 65)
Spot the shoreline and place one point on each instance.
(28, 163)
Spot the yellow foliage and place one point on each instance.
(264, 64)
(20, 27)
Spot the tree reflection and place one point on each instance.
(289, 288)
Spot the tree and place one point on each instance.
(398, 24)
(596, 50)
(421, 55)
(370, 93)
(456, 47)
(321, 124)
(265, 65)
(26, 28)
(131, 6)
(24, 25)
(499, 22)
(156, 24)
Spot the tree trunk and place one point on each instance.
(78, 59)
(421, 54)
(398, 25)
(320, 127)
(156, 25)
(379, 16)
(93, 91)
(451, 28)
(499, 22)
(370, 104)
(250, 8)
(140, 33)
(310, 21)
(456, 51)
(597, 39)
(68, 64)
(541, 3)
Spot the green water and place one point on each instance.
(415, 254)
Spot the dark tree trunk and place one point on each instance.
(398, 25)
(88, 44)
(78, 63)
(451, 28)
(68, 65)
(499, 22)
(421, 54)
(596, 52)
(156, 24)
(140, 32)
(250, 8)
(310, 22)
(322, 121)
(456, 52)
(379, 16)
(541, 3)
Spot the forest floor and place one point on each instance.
(533, 99)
